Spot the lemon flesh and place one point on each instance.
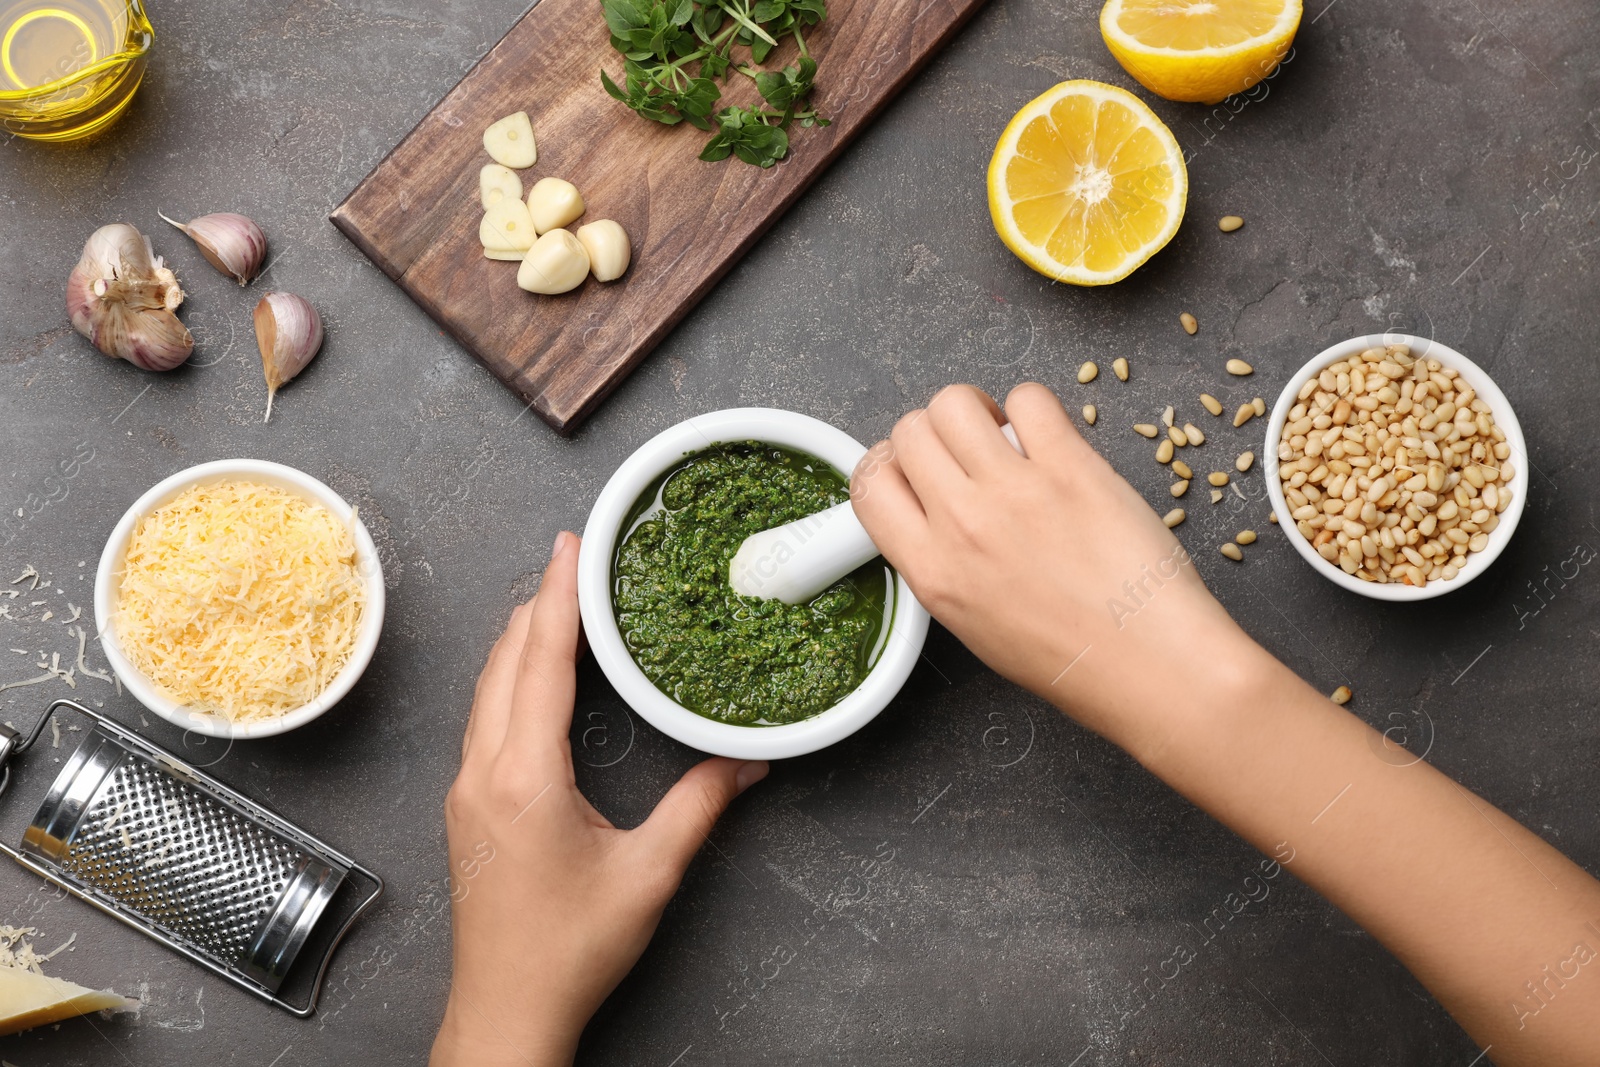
(1199, 50)
(1086, 183)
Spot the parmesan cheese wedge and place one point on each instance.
(28, 1000)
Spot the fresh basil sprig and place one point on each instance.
(662, 40)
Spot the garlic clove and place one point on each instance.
(507, 227)
(121, 296)
(232, 243)
(510, 143)
(509, 257)
(289, 333)
(554, 203)
(557, 263)
(497, 183)
(609, 251)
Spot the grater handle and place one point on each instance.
(11, 747)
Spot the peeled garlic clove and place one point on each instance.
(608, 248)
(289, 333)
(497, 183)
(554, 203)
(233, 244)
(122, 297)
(557, 263)
(509, 142)
(507, 227)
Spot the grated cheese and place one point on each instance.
(240, 600)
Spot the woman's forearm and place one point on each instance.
(1502, 928)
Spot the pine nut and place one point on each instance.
(1173, 517)
(1192, 432)
(1090, 414)
(1167, 415)
(1231, 550)
(1144, 429)
(1392, 466)
(1243, 415)
(1181, 469)
(1216, 496)
(1164, 452)
(1177, 436)
(1229, 223)
(1087, 373)
(1246, 537)
(1239, 367)
(1180, 487)
(1119, 367)
(1211, 403)
(1244, 461)
(1341, 695)
(1259, 406)
(1190, 326)
(1272, 517)
(1217, 478)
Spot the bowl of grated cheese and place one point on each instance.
(239, 598)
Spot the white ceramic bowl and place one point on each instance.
(1504, 417)
(908, 623)
(265, 473)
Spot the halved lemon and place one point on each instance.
(1086, 183)
(1199, 50)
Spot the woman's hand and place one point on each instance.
(1050, 567)
(551, 903)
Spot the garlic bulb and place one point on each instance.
(233, 244)
(122, 297)
(289, 333)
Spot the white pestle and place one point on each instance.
(796, 561)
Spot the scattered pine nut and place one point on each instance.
(1164, 452)
(1177, 436)
(1180, 487)
(1119, 367)
(1190, 326)
(1341, 695)
(1192, 432)
(1144, 429)
(1168, 415)
(1244, 461)
(1246, 537)
(1239, 367)
(1231, 550)
(1090, 414)
(1229, 223)
(1243, 415)
(1173, 517)
(1087, 373)
(1216, 496)
(1217, 478)
(1272, 517)
(1181, 469)
(1211, 403)
(1259, 406)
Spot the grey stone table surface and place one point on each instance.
(972, 879)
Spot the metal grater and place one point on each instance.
(164, 847)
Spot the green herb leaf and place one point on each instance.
(662, 40)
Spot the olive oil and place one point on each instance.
(68, 68)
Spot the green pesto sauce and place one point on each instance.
(739, 659)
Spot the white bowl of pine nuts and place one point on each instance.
(1450, 452)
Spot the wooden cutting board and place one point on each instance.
(416, 215)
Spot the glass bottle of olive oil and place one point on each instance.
(68, 68)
